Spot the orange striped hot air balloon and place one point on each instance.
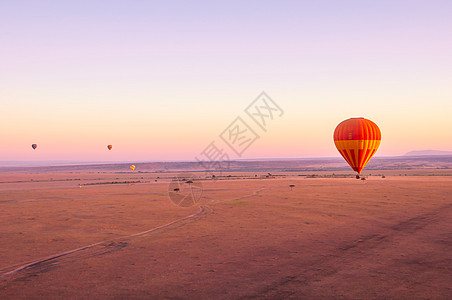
(109, 147)
(357, 140)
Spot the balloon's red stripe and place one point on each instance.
(361, 158)
(345, 155)
(354, 164)
(357, 129)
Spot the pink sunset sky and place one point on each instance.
(160, 80)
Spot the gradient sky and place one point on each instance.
(160, 80)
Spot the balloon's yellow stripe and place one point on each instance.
(373, 146)
(357, 152)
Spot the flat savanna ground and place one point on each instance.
(79, 236)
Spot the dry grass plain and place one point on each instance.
(327, 238)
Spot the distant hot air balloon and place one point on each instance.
(109, 147)
(357, 140)
(132, 167)
(34, 146)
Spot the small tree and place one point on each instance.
(292, 186)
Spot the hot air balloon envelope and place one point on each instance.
(109, 147)
(34, 146)
(357, 140)
(132, 167)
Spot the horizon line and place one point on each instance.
(61, 163)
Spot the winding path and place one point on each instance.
(107, 245)
(112, 242)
